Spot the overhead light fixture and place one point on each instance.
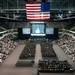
(60, 16)
(69, 12)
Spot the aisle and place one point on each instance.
(38, 54)
(61, 55)
(12, 59)
(9, 68)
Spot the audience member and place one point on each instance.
(7, 45)
(67, 43)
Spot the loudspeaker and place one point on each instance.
(56, 36)
(20, 33)
(44, 0)
(34, 0)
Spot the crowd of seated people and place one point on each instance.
(54, 66)
(29, 51)
(7, 45)
(47, 49)
(67, 43)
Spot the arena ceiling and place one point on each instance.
(58, 8)
(55, 4)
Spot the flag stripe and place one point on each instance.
(33, 10)
(38, 18)
(33, 5)
(38, 13)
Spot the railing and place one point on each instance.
(68, 32)
(7, 32)
(14, 31)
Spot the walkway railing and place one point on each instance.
(7, 32)
(68, 32)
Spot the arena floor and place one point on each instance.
(9, 68)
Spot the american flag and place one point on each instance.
(38, 11)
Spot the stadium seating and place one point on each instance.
(27, 56)
(7, 45)
(47, 50)
(54, 66)
(28, 51)
(67, 43)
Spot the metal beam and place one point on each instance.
(72, 9)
